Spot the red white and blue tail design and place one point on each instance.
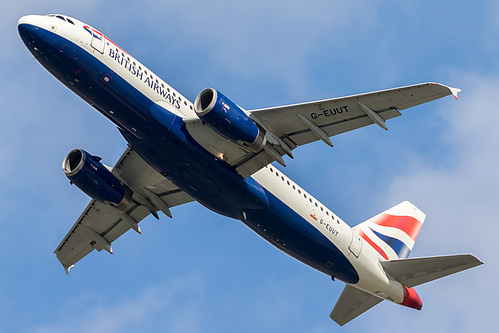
(393, 232)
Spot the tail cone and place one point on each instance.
(411, 299)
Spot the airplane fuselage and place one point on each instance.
(150, 115)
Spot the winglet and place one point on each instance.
(67, 268)
(454, 91)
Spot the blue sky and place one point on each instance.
(204, 273)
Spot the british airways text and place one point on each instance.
(147, 79)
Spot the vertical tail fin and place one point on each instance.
(393, 232)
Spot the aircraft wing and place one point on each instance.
(290, 126)
(99, 225)
(352, 303)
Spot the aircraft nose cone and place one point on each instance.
(28, 20)
(33, 31)
(25, 19)
(27, 26)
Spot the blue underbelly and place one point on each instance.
(288, 231)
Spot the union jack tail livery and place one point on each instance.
(393, 232)
(389, 238)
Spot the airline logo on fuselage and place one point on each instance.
(147, 79)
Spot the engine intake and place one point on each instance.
(228, 119)
(93, 178)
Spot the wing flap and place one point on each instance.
(102, 219)
(352, 303)
(415, 271)
(340, 126)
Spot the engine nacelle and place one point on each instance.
(93, 178)
(227, 119)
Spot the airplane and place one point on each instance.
(216, 153)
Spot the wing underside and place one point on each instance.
(288, 127)
(100, 225)
(352, 303)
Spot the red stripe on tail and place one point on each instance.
(407, 224)
(367, 239)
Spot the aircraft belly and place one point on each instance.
(208, 180)
(288, 231)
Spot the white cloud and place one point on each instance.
(172, 306)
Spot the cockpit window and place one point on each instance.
(65, 19)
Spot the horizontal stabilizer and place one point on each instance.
(415, 271)
(352, 303)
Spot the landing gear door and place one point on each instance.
(356, 244)
(97, 41)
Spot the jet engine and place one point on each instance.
(93, 178)
(228, 119)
